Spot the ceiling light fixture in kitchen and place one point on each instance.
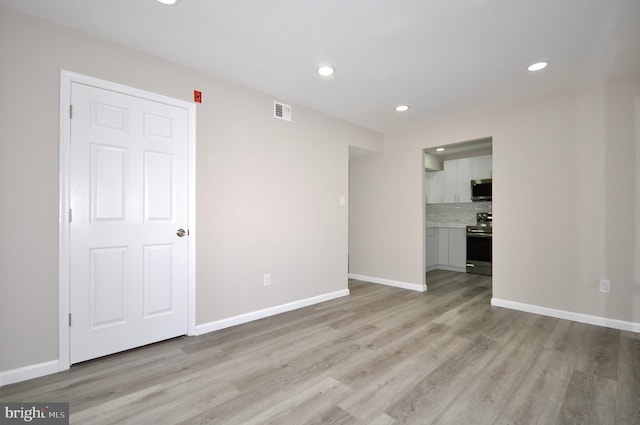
(440, 150)
(326, 70)
(537, 66)
(402, 108)
(167, 2)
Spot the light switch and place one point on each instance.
(342, 201)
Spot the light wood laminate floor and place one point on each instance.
(381, 356)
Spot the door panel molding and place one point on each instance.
(162, 130)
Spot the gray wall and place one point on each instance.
(566, 199)
(267, 190)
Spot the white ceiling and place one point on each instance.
(438, 56)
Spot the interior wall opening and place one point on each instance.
(458, 218)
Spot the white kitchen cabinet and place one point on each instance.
(450, 181)
(457, 180)
(446, 249)
(443, 246)
(437, 187)
(464, 180)
(458, 248)
(453, 184)
(481, 167)
(428, 175)
(434, 187)
(432, 248)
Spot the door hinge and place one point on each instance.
(70, 215)
(69, 319)
(187, 232)
(70, 111)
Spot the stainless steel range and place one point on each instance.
(479, 245)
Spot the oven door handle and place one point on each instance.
(477, 234)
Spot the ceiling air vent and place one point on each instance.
(282, 111)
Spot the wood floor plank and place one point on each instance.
(563, 350)
(381, 356)
(628, 392)
(247, 405)
(590, 400)
(108, 387)
(298, 325)
(372, 397)
(304, 406)
(165, 405)
(538, 397)
(426, 400)
(483, 397)
(602, 357)
(383, 360)
(335, 416)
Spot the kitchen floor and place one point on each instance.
(439, 278)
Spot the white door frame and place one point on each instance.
(64, 247)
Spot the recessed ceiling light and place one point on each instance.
(440, 150)
(402, 108)
(325, 71)
(537, 66)
(167, 2)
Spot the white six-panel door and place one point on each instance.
(128, 197)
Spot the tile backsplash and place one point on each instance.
(460, 213)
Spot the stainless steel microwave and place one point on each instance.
(481, 190)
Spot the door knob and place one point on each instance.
(181, 233)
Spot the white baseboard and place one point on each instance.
(271, 311)
(388, 282)
(29, 372)
(568, 315)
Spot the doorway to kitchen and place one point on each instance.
(457, 199)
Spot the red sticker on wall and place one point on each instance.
(197, 96)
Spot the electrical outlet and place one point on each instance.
(267, 279)
(605, 286)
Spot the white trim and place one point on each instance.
(568, 315)
(191, 222)
(29, 372)
(271, 311)
(412, 286)
(64, 246)
(66, 79)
